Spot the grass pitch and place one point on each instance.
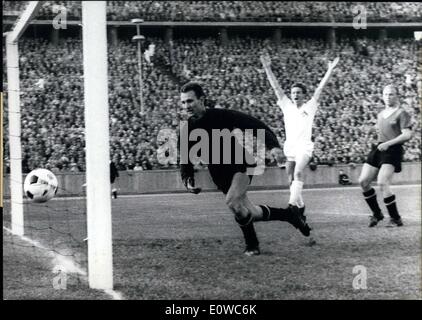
(183, 246)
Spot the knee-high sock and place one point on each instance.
(248, 230)
(270, 214)
(296, 193)
(390, 203)
(371, 200)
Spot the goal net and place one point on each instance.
(47, 124)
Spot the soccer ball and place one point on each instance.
(40, 185)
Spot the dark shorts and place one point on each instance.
(393, 155)
(222, 175)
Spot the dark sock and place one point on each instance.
(270, 213)
(390, 203)
(371, 200)
(248, 230)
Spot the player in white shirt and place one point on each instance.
(298, 121)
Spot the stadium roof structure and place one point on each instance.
(238, 24)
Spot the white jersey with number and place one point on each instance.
(298, 124)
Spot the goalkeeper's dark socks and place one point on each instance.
(270, 213)
(248, 230)
(390, 203)
(371, 200)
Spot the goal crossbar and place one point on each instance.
(23, 20)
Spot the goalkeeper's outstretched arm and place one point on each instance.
(266, 63)
(331, 66)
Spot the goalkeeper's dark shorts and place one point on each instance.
(393, 155)
(222, 175)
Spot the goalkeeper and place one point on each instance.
(232, 178)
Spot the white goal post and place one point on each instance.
(14, 115)
(94, 39)
(99, 224)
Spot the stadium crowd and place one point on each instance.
(279, 11)
(52, 94)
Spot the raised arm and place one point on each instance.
(266, 63)
(331, 66)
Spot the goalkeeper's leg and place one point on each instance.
(246, 213)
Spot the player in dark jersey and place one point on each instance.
(231, 177)
(393, 126)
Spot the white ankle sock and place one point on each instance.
(296, 193)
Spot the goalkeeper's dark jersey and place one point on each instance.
(222, 119)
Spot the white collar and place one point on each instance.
(388, 112)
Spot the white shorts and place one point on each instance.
(293, 150)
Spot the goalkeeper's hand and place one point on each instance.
(190, 186)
